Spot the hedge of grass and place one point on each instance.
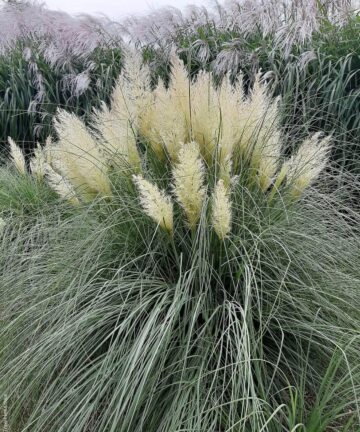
(31, 90)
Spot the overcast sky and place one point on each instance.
(116, 8)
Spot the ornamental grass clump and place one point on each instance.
(189, 276)
(195, 133)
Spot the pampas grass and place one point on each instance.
(224, 135)
(17, 156)
(189, 187)
(191, 292)
(221, 210)
(78, 158)
(155, 203)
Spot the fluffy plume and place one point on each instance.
(129, 113)
(168, 120)
(219, 124)
(305, 166)
(17, 156)
(132, 97)
(61, 186)
(205, 115)
(119, 138)
(249, 129)
(222, 121)
(37, 163)
(221, 210)
(189, 177)
(180, 85)
(78, 158)
(168, 126)
(156, 203)
(233, 112)
(262, 137)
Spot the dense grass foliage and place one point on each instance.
(31, 90)
(168, 285)
(107, 327)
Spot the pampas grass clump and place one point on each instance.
(203, 280)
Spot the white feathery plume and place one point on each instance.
(37, 163)
(179, 86)
(132, 97)
(155, 203)
(167, 122)
(221, 210)
(262, 140)
(78, 158)
(205, 114)
(305, 166)
(60, 185)
(232, 112)
(172, 109)
(167, 128)
(119, 140)
(129, 113)
(189, 176)
(256, 105)
(17, 156)
(249, 129)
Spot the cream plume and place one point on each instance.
(221, 210)
(205, 115)
(305, 166)
(60, 185)
(189, 176)
(168, 123)
(119, 138)
(156, 203)
(17, 156)
(78, 158)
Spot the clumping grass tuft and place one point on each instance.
(213, 285)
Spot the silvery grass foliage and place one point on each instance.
(182, 273)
